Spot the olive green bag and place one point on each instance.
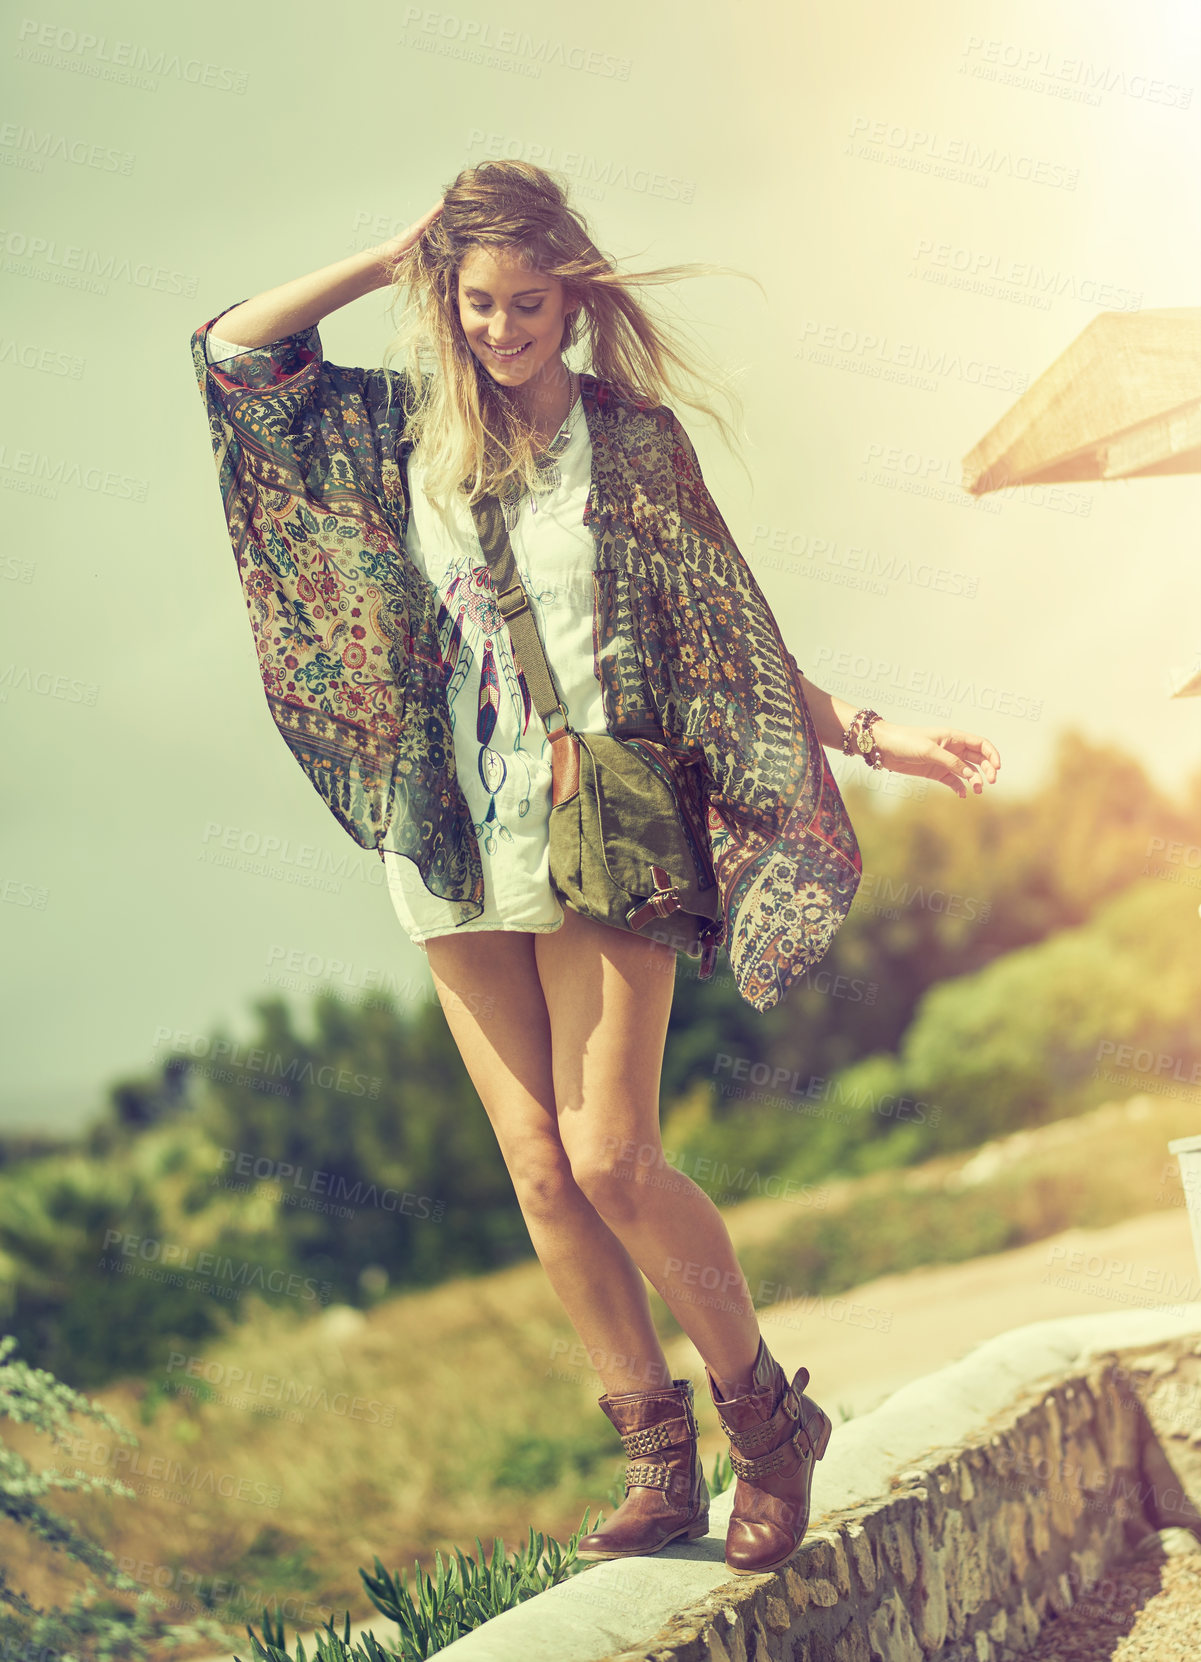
(628, 844)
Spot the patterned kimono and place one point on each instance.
(310, 461)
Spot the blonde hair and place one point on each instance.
(472, 433)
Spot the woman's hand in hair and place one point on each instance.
(398, 245)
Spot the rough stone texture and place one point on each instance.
(963, 1553)
(969, 1557)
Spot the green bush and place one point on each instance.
(92, 1628)
(1026, 1039)
(86, 1306)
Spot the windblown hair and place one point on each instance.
(472, 433)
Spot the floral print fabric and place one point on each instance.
(311, 464)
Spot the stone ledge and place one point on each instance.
(947, 1523)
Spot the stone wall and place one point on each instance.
(948, 1524)
(968, 1554)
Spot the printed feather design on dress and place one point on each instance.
(519, 692)
(491, 763)
(450, 630)
(489, 700)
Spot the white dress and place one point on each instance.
(502, 755)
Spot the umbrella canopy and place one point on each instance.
(1123, 402)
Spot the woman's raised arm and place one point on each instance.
(306, 300)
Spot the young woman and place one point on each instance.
(391, 675)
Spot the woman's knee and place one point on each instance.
(620, 1175)
(542, 1176)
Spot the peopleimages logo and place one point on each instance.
(230, 1276)
(1042, 69)
(333, 1184)
(27, 255)
(493, 47)
(20, 678)
(164, 1469)
(41, 474)
(127, 62)
(43, 146)
(952, 156)
(257, 1063)
(820, 341)
(239, 1386)
(1184, 1070)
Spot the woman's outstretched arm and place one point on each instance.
(831, 716)
(962, 761)
(304, 301)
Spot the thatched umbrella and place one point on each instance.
(1123, 402)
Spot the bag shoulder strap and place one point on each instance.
(514, 606)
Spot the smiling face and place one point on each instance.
(513, 319)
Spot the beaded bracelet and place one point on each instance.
(858, 741)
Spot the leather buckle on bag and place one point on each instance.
(666, 898)
(660, 905)
(664, 901)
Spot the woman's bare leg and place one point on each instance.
(608, 993)
(489, 988)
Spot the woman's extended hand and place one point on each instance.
(961, 761)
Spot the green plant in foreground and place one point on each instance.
(91, 1628)
(461, 1594)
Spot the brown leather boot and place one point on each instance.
(776, 1433)
(666, 1493)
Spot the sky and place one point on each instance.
(933, 203)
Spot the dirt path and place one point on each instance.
(863, 1345)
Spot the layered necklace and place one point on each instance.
(546, 466)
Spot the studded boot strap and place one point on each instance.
(675, 1432)
(762, 1450)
